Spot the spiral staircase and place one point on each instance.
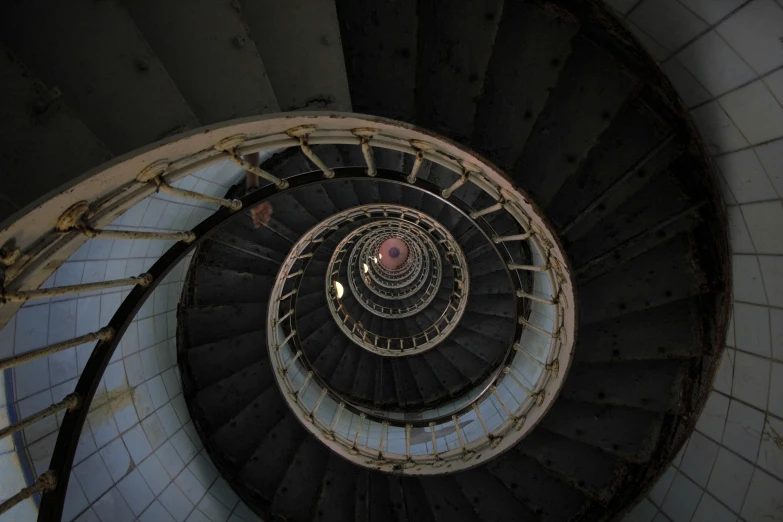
(535, 344)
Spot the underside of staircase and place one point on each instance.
(555, 93)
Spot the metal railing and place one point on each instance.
(37, 243)
(430, 290)
(354, 271)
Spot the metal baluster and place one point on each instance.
(537, 397)
(229, 145)
(416, 166)
(43, 293)
(318, 403)
(73, 219)
(70, 402)
(365, 135)
(446, 193)
(528, 268)
(408, 441)
(493, 208)
(153, 174)
(294, 274)
(46, 482)
(336, 418)
(554, 367)
(520, 293)
(516, 237)
(104, 334)
(290, 336)
(481, 419)
(304, 383)
(302, 134)
(286, 296)
(384, 433)
(460, 436)
(362, 416)
(543, 332)
(291, 361)
(502, 402)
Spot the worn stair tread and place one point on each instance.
(592, 88)
(297, 494)
(648, 385)
(216, 285)
(490, 499)
(224, 399)
(452, 62)
(190, 39)
(659, 276)
(218, 360)
(667, 331)
(107, 73)
(615, 170)
(234, 319)
(264, 470)
(381, 63)
(337, 487)
(446, 501)
(72, 148)
(239, 437)
(529, 39)
(627, 432)
(311, 73)
(586, 467)
(545, 497)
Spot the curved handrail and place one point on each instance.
(30, 244)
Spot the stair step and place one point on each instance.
(382, 77)
(657, 277)
(630, 138)
(122, 93)
(380, 507)
(266, 468)
(200, 321)
(298, 491)
(586, 467)
(649, 385)
(491, 499)
(72, 148)
(446, 501)
(190, 38)
(529, 38)
(591, 90)
(239, 437)
(659, 202)
(212, 362)
(364, 382)
(337, 487)
(640, 336)
(310, 74)
(253, 245)
(546, 498)
(215, 285)
(626, 432)
(452, 62)
(416, 504)
(226, 398)
(450, 378)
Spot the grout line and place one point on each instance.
(715, 97)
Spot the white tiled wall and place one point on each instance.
(725, 58)
(139, 457)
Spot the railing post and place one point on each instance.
(104, 334)
(70, 402)
(46, 482)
